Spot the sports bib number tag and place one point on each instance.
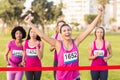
(70, 57)
(17, 53)
(100, 53)
(31, 52)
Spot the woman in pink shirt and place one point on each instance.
(99, 52)
(33, 53)
(67, 48)
(15, 50)
(58, 37)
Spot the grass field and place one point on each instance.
(47, 60)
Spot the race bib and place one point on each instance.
(100, 53)
(17, 53)
(70, 57)
(31, 52)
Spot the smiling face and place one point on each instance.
(66, 32)
(18, 35)
(99, 33)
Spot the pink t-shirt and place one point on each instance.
(32, 59)
(16, 53)
(99, 61)
(68, 58)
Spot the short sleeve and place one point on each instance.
(9, 44)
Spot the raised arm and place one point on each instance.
(52, 48)
(82, 36)
(49, 40)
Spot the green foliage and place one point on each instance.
(44, 11)
(112, 20)
(89, 18)
(10, 14)
(75, 23)
(103, 2)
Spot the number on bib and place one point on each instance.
(31, 52)
(100, 53)
(70, 57)
(17, 53)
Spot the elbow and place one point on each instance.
(51, 50)
(89, 58)
(41, 57)
(111, 55)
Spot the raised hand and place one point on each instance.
(101, 9)
(28, 18)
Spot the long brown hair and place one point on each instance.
(28, 37)
(103, 37)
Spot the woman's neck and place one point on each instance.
(32, 40)
(67, 44)
(18, 40)
(99, 40)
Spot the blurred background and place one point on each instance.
(77, 13)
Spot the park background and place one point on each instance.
(10, 17)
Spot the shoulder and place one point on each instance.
(58, 44)
(54, 35)
(41, 42)
(11, 42)
(24, 42)
(91, 44)
(107, 43)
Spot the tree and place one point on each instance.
(10, 14)
(4, 6)
(45, 12)
(90, 17)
